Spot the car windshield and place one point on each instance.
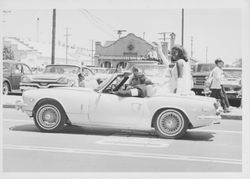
(232, 73)
(62, 69)
(104, 83)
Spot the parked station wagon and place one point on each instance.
(12, 73)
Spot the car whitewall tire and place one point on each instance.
(170, 124)
(50, 117)
(6, 88)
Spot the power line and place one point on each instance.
(99, 20)
(96, 24)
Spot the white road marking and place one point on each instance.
(125, 154)
(135, 141)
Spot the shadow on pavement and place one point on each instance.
(199, 136)
(190, 135)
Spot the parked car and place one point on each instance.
(58, 76)
(102, 73)
(170, 115)
(13, 71)
(200, 75)
(232, 85)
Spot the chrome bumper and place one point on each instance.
(27, 86)
(208, 120)
(20, 105)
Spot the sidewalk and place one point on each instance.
(235, 113)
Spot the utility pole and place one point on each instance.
(37, 29)
(67, 35)
(206, 54)
(119, 32)
(92, 52)
(182, 27)
(191, 54)
(143, 35)
(53, 36)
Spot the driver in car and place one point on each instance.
(136, 87)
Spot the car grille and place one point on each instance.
(199, 80)
(232, 88)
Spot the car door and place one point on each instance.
(16, 75)
(110, 109)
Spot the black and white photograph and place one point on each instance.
(144, 89)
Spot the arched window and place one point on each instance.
(121, 65)
(106, 64)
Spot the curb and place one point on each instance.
(231, 117)
(8, 106)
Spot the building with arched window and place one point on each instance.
(118, 53)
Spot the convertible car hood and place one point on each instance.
(49, 76)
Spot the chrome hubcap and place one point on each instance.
(48, 117)
(170, 123)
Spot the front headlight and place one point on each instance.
(25, 79)
(62, 80)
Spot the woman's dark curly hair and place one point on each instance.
(182, 54)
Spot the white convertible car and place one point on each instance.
(169, 114)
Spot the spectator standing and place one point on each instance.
(181, 79)
(216, 77)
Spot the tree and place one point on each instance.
(8, 53)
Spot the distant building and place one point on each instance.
(39, 54)
(117, 53)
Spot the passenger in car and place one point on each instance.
(81, 82)
(137, 86)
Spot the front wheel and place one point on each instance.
(50, 116)
(170, 124)
(6, 88)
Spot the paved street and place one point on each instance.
(215, 148)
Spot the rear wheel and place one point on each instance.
(170, 124)
(6, 88)
(50, 116)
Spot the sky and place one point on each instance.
(216, 32)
